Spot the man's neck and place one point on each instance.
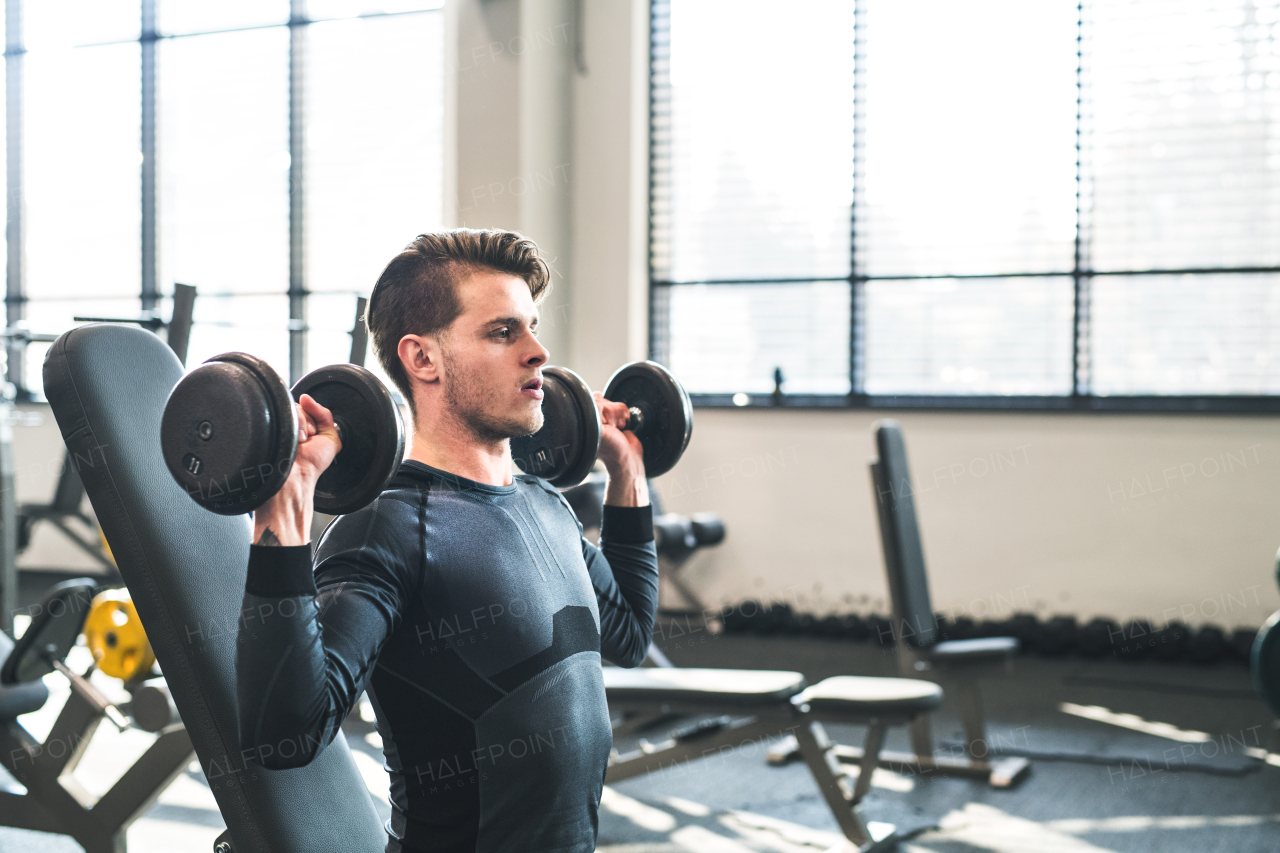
(451, 447)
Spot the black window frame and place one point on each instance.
(1081, 274)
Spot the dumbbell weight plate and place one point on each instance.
(563, 451)
(667, 413)
(372, 436)
(229, 433)
(114, 633)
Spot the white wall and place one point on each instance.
(1092, 515)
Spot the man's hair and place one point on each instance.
(417, 293)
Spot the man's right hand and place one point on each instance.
(285, 519)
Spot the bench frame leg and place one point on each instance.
(56, 803)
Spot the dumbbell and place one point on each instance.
(563, 451)
(229, 434)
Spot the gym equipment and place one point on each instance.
(1097, 637)
(1208, 645)
(680, 535)
(359, 334)
(372, 436)
(188, 589)
(115, 636)
(179, 323)
(1242, 643)
(661, 415)
(751, 705)
(564, 449)
(920, 651)
(229, 434)
(54, 801)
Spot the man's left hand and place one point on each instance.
(622, 455)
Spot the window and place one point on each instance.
(991, 203)
(233, 146)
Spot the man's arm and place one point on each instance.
(304, 652)
(625, 575)
(308, 641)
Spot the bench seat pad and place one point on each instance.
(858, 695)
(17, 699)
(714, 687)
(965, 651)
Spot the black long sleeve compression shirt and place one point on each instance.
(475, 617)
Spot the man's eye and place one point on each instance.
(503, 334)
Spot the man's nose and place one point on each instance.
(538, 355)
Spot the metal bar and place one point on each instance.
(14, 227)
(659, 23)
(8, 523)
(870, 755)
(184, 306)
(297, 187)
(135, 791)
(816, 751)
(150, 221)
(93, 549)
(641, 762)
(72, 731)
(359, 334)
(1079, 278)
(176, 36)
(975, 731)
(859, 129)
(975, 276)
(1240, 405)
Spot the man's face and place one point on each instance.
(492, 360)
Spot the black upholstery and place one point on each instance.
(900, 538)
(914, 620)
(55, 627)
(185, 569)
(16, 699)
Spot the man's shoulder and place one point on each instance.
(390, 520)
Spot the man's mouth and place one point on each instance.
(533, 388)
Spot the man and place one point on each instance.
(464, 599)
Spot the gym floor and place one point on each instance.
(1106, 774)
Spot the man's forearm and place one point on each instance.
(627, 488)
(286, 518)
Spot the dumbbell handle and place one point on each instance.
(91, 694)
(635, 420)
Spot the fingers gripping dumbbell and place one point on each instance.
(230, 434)
(565, 448)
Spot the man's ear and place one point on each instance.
(421, 357)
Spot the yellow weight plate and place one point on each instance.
(114, 634)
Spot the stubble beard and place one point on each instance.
(465, 395)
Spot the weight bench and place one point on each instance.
(54, 801)
(920, 650)
(185, 569)
(755, 704)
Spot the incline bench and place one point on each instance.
(185, 568)
(756, 704)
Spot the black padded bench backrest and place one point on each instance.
(185, 569)
(893, 492)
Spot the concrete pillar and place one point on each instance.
(546, 132)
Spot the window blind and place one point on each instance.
(1046, 200)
